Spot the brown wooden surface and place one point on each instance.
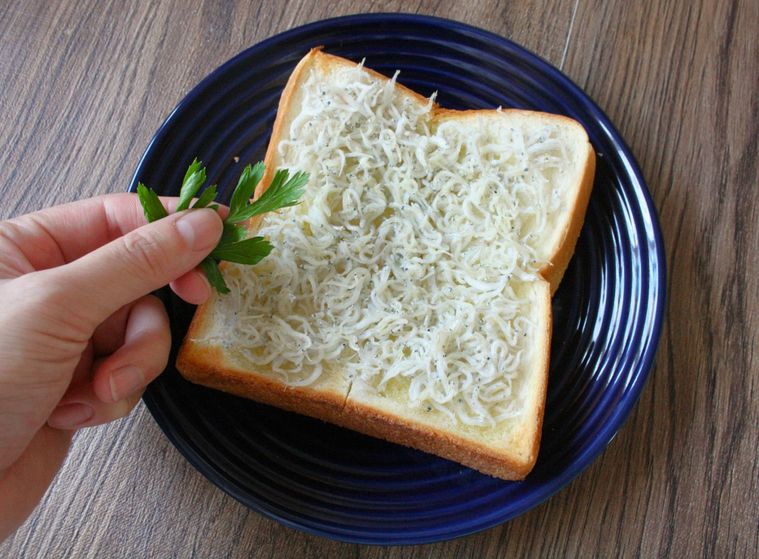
(83, 86)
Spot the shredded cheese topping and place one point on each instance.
(408, 263)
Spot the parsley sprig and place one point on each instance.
(234, 246)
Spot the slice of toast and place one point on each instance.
(408, 295)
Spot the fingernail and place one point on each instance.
(125, 382)
(70, 416)
(199, 228)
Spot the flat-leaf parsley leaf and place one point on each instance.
(234, 245)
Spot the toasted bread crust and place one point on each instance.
(209, 366)
(376, 422)
(554, 272)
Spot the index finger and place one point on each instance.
(61, 234)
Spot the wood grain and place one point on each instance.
(84, 86)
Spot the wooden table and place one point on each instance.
(83, 86)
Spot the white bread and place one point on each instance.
(408, 295)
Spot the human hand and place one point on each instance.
(80, 336)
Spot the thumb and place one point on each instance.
(104, 280)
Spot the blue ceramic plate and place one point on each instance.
(607, 313)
